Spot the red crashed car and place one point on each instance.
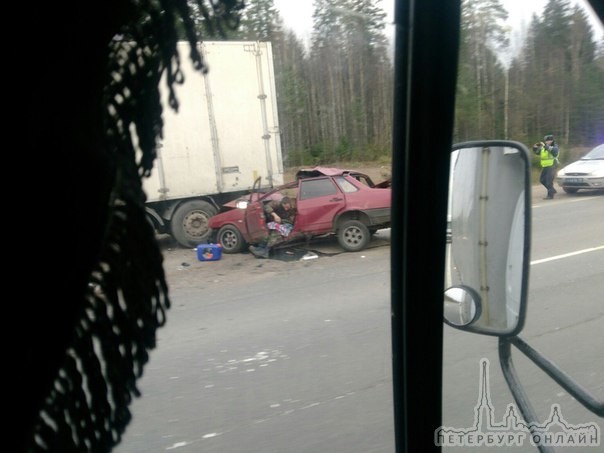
(325, 201)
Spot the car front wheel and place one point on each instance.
(353, 235)
(570, 189)
(230, 238)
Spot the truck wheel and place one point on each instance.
(353, 235)
(230, 238)
(190, 222)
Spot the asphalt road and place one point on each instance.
(272, 364)
(273, 356)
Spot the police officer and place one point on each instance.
(548, 153)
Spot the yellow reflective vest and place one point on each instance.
(547, 159)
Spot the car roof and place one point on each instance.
(322, 171)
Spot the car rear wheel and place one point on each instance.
(353, 236)
(230, 238)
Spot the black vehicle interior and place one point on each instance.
(427, 35)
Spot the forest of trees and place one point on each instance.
(335, 93)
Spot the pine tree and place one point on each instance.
(260, 21)
(350, 94)
(481, 76)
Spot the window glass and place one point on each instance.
(317, 188)
(345, 185)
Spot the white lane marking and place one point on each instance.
(566, 255)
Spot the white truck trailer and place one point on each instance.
(224, 136)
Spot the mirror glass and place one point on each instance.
(462, 306)
(488, 238)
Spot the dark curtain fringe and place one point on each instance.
(127, 297)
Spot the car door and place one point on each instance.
(255, 218)
(319, 201)
(255, 223)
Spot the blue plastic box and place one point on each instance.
(209, 252)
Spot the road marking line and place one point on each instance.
(566, 255)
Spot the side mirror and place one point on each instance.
(462, 306)
(488, 237)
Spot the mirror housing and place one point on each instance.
(488, 237)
